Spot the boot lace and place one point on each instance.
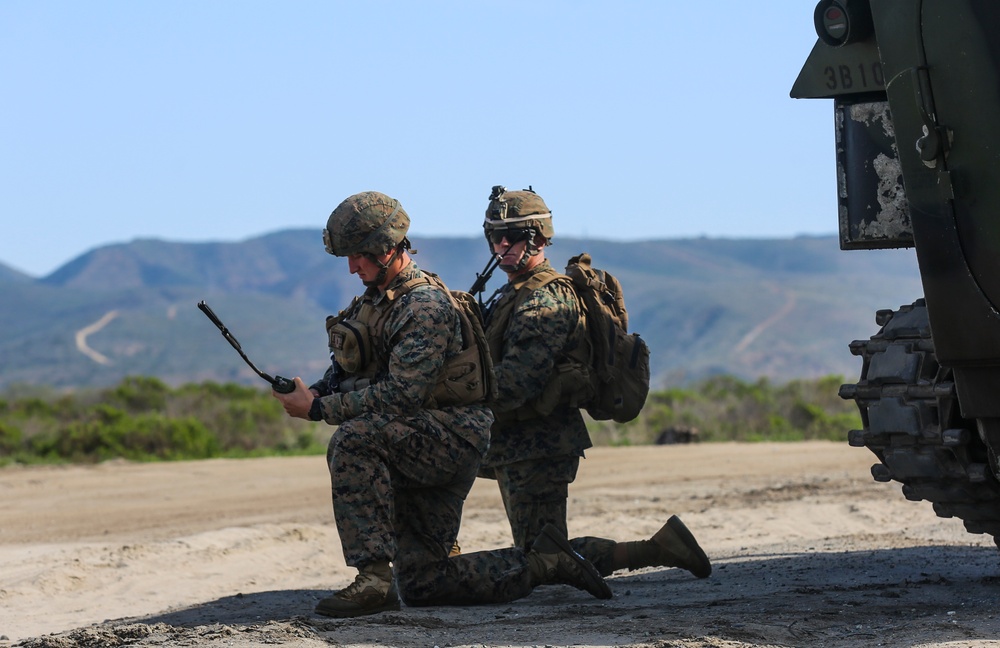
(366, 581)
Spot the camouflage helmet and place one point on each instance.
(366, 223)
(518, 210)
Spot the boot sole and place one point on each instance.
(595, 584)
(348, 614)
(704, 569)
(391, 604)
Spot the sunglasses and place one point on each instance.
(512, 235)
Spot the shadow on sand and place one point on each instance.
(945, 592)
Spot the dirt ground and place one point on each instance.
(807, 550)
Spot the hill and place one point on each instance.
(782, 308)
(10, 275)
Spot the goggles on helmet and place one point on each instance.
(328, 241)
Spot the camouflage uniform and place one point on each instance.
(400, 472)
(535, 456)
(537, 336)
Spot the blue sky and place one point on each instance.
(189, 120)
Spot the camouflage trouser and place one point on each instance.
(534, 494)
(398, 489)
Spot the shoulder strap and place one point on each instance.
(525, 287)
(394, 293)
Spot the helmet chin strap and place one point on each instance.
(384, 267)
(531, 248)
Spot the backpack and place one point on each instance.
(619, 361)
(457, 384)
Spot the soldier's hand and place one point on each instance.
(298, 402)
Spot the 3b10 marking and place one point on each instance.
(863, 76)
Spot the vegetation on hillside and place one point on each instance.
(143, 419)
(782, 308)
(725, 408)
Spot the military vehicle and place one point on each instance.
(916, 97)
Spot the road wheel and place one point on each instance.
(912, 423)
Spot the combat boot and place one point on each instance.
(373, 590)
(552, 560)
(672, 546)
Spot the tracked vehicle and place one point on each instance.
(916, 96)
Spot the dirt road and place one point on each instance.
(807, 551)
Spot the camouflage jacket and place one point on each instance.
(422, 329)
(541, 328)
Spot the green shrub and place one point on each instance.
(33, 407)
(112, 434)
(10, 438)
(727, 408)
(142, 419)
(140, 394)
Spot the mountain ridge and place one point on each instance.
(774, 308)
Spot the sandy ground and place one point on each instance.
(807, 550)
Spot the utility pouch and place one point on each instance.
(461, 380)
(354, 383)
(350, 344)
(570, 385)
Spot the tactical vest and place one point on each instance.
(569, 385)
(360, 352)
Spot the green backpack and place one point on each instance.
(619, 360)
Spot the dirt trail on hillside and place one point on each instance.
(82, 335)
(807, 550)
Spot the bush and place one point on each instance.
(10, 438)
(143, 419)
(726, 408)
(140, 394)
(32, 407)
(113, 434)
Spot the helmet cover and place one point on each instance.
(518, 210)
(366, 223)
